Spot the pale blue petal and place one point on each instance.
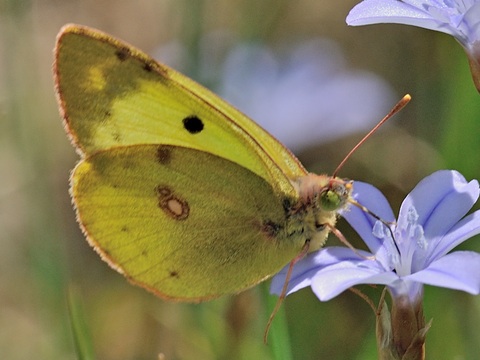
(308, 267)
(471, 22)
(451, 209)
(302, 272)
(370, 197)
(427, 197)
(393, 11)
(335, 279)
(378, 11)
(457, 18)
(462, 231)
(459, 270)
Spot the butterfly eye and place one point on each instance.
(330, 200)
(335, 196)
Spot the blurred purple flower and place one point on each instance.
(459, 18)
(431, 223)
(306, 96)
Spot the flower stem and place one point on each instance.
(401, 333)
(473, 61)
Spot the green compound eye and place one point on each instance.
(336, 197)
(330, 200)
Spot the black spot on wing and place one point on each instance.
(164, 154)
(193, 124)
(147, 67)
(122, 53)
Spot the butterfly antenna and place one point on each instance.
(365, 298)
(344, 240)
(398, 106)
(388, 224)
(283, 294)
(371, 213)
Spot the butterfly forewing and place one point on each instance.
(114, 95)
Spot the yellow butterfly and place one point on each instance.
(176, 189)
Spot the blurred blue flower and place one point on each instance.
(307, 96)
(303, 96)
(414, 251)
(459, 18)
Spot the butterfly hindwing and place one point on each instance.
(159, 215)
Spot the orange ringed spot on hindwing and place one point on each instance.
(171, 204)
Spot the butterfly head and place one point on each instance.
(324, 192)
(336, 194)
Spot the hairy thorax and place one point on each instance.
(315, 212)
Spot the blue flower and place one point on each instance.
(459, 18)
(412, 252)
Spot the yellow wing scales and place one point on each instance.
(103, 107)
(131, 203)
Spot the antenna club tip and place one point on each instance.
(398, 106)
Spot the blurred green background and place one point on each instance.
(45, 264)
